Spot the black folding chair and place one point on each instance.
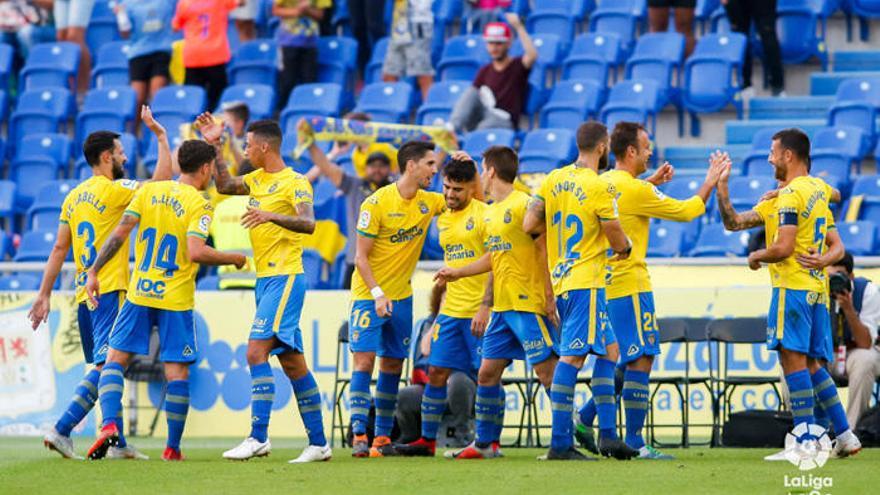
(725, 334)
(146, 369)
(528, 415)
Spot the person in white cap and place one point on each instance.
(497, 96)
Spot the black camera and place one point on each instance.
(839, 283)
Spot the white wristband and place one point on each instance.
(377, 292)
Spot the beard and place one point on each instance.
(118, 172)
(779, 173)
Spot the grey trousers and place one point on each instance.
(456, 427)
(469, 114)
(862, 368)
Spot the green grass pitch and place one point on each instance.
(25, 467)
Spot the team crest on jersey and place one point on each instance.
(187, 351)
(651, 338)
(470, 224)
(205, 223)
(423, 207)
(252, 202)
(508, 216)
(273, 188)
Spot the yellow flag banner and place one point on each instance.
(334, 129)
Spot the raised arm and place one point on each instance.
(212, 132)
(39, 312)
(534, 221)
(201, 253)
(163, 164)
(732, 220)
(108, 250)
(319, 158)
(530, 54)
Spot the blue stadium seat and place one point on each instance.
(593, 56)
(52, 145)
(560, 23)
(712, 76)
(441, 99)
(36, 245)
(665, 240)
(255, 62)
(550, 51)
(633, 101)
(858, 237)
(130, 145)
(847, 141)
(714, 240)
(658, 57)
(44, 212)
(571, 103)
(830, 164)
(337, 60)
(4, 105)
(51, 65)
(29, 175)
(856, 105)
(386, 102)
(110, 109)
(324, 99)
(800, 37)
(790, 107)
(7, 204)
(7, 54)
(41, 110)
(373, 71)
(868, 187)
(111, 65)
(477, 141)
(260, 98)
(446, 12)
(101, 32)
(19, 282)
(854, 61)
(745, 192)
(462, 58)
(619, 22)
(545, 149)
(755, 163)
(209, 282)
(184, 101)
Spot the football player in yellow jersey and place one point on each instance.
(630, 300)
(89, 214)
(391, 230)
(798, 325)
(522, 296)
(280, 213)
(174, 220)
(577, 212)
(464, 314)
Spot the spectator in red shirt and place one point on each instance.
(498, 93)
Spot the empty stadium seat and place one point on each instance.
(665, 240)
(373, 71)
(440, 101)
(260, 98)
(593, 56)
(856, 105)
(755, 163)
(633, 101)
(255, 62)
(867, 189)
(550, 51)
(557, 22)
(462, 58)
(29, 175)
(109, 109)
(712, 76)
(337, 60)
(386, 102)
(847, 141)
(44, 212)
(477, 141)
(111, 65)
(619, 22)
(19, 282)
(36, 245)
(858, 237)
(7, 203)
(545, 149)
(6, 58)
(745, 192)
(41, 110)
(51, 65)
(323, 99)
(52, 145)
(184, 101)
(800, 37)
(571, 103)
(714, 240)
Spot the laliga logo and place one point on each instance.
(807, 455)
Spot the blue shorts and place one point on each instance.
(94, 326)
(519, 335)
(798, 321)
(279, 305)
(585, 326)
(177, 332)
(453, 345)
(635, 326)
(387, 337)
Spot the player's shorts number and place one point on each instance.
(573, 223)
(87, 230)
(165, 255)
(649, 322)
(361, 318)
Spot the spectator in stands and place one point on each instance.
(245, 20)
(356, 189)
(205, 43)
(298, 38)
(482, 12)
(409, 52)
(367, 26)
(236, 116)
(71, 20)
(24, 23)
(658, 18)
(497, 96)
(742, 13)
(462, 388)
(147, 24)
(855, 317)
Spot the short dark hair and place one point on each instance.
(846, 262)
(625, 134)
(378, 156)
(796, 141)
(193, 154)
(97, 143)
(268, 130)
(412, 150)
(460, 170)
(591, 134)
(503, 160)
(239, 110)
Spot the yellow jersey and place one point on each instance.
(92, 211)
(277, 251)
(359, 158)
(638, 201)
(462, 243)
(518, 278)
(397, 227)
(169, 212)
(576, 202)
(803, 203)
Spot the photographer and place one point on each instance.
(855, 316)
